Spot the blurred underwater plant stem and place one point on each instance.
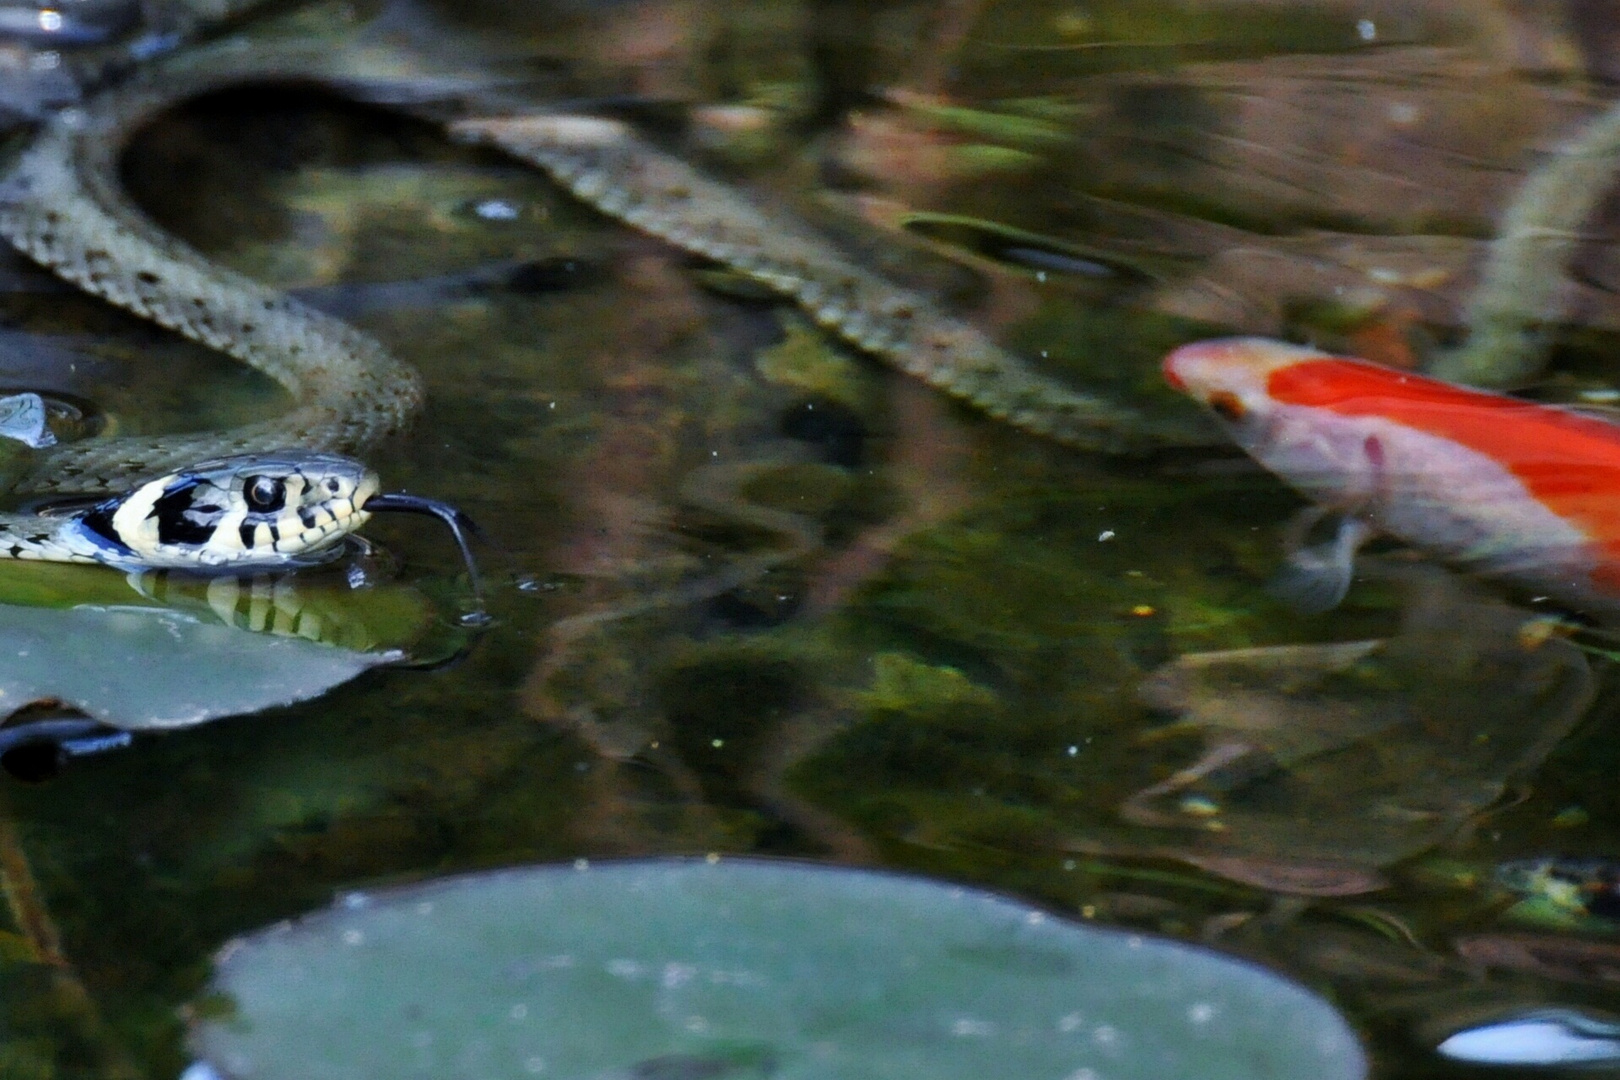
(33, 921)
(1519, 300)
(27, 907)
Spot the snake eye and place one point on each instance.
(264, 493)
(1227, 406)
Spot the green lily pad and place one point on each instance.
(143, 669)
(158, 651)
(740, 967)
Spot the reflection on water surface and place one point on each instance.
(756, 593)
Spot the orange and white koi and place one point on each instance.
(1503, 486)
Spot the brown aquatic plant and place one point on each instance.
(1549, 956)
(26, 903)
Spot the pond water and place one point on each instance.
(754, 592)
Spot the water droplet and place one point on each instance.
(1200, 806)
(496, 210)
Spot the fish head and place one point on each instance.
(1232, 376)
(1276, 401)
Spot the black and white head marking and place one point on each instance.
(255, 511)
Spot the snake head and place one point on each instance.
(251, 512)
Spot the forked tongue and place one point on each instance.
(460, 525)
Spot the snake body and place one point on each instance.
(603, 163)
(62, 204)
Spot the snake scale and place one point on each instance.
(62, 204)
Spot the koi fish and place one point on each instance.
(1501, 486)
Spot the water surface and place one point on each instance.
(755, 593)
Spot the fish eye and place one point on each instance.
(264, 493)
(1227, 406)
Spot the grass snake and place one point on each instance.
(63, 205)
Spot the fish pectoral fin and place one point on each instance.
(1315, 577)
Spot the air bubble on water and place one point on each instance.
(496, 210)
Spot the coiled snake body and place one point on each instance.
(61, 203)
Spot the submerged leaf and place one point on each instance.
(1035, 253)
(1363, 752)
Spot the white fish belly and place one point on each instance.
(1429, 491)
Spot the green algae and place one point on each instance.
(1112, 347)
(807, 362)
(991, 715)
(901, 684)
(1008, 130)
(977, 160)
